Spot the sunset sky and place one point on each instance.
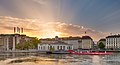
(50, 18)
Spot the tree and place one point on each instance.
(31, 44)
(35, 41)
(52, 48)
(18, 46)
(28, 45)
(101, 45)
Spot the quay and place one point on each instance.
(105, 50)
(53, 52)
(23, 51)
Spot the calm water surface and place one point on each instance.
(58, 59)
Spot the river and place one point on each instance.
(58, 59)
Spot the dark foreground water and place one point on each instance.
(58, 59)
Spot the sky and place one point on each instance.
(50, 18)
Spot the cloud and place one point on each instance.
(76, 30)
(34, 27)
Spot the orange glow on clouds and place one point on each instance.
(45, 29)
(51, 34)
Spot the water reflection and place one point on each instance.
(57, 59)
(97, 60)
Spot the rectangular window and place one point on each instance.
(58, 47)
(63, 47)
(48, 47)
(41, 48)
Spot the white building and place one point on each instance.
(113, 42)
(55, 46)
(87, 42)
(75, 41)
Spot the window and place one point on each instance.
(69, 48)
(44, 47)
(48, 47)
(58, 47)
(41, 48)
(53, 47)
(63, 47)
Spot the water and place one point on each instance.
(58, 59)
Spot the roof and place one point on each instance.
(58, 42)
(70, 38)
(48, 39)
(12, 35)
(86, 37)
(112, 36)
(8, 34)
(102, 40)
(62, 38)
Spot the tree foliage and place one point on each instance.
(101, 45)
(35, 42)
(31, 44)
(52, 48)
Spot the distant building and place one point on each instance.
(75, 41)
(3, 43)
(55, 46)
(87, 42)
(9, 41)
(113, 42)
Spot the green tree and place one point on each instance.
(18, 46)
(35, 41)
(101, 45)
(52, 48)
(31, 44)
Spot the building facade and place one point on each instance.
(55, 46)
(113, 42)
(87, 42)
(9, 41)
(75, 41)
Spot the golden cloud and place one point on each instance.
(35, 27)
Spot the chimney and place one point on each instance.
(21, 30)
(14, 29)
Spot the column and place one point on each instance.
(13, 43)
(7, 43)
